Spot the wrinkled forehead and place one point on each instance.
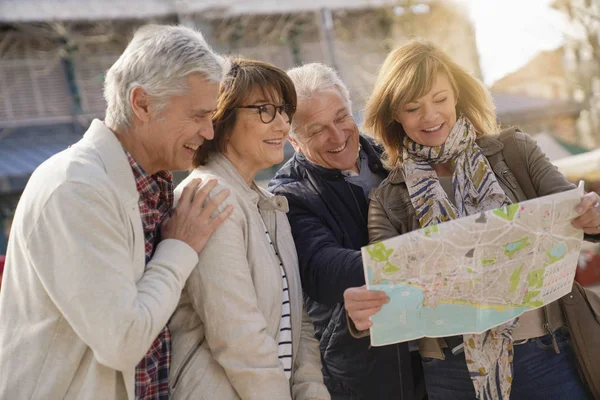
(320, 109)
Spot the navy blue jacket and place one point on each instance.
(328, 217)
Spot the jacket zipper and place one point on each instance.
(510, 185)
(550, 331)
(506, 180)
(187, 360)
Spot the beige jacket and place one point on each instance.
(78, 307)
(225, 330)
(391, 213)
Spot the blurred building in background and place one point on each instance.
(539, 98)
(544, 77)
(54, 53)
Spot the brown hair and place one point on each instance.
(407, 74)
(243, 78)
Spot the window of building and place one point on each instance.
(33, 90)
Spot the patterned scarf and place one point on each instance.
(489, 355)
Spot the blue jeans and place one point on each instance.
(539, 373)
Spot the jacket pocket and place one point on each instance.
(508, 182)
(183, 367)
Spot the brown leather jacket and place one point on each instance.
(391, 212)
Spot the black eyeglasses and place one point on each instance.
(269, 111)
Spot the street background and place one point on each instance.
(540, 59)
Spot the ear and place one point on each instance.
(295, 145)
(140, 104)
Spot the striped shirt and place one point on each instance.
(284, 348)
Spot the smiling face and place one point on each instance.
(254, 145)
(326, 132)
(175, 132)
(429, 119)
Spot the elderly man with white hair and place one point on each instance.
(96, 258)
(327, 182)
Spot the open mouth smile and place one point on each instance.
(339, 149)
(434, 129)
(191, 146)
(274, 142)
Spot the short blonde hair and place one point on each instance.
(407, 74)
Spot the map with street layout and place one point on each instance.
(471, 274)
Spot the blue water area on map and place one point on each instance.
(404, 317)
(559, 250)
(512, 246)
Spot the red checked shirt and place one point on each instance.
(156, 202)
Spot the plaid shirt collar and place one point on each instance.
(155, 202)
(150, 187)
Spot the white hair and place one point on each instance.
(158, 59)
(312, 78)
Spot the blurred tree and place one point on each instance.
(582, 58)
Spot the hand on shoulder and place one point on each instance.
(191, 221)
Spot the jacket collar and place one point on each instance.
(221, 166)
(489, 146)
(374, 159)
(113, 157)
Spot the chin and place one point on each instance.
(344, 166)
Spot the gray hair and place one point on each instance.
(312, 78)
(158, 59)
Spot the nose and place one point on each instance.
(429, 112)
(337, 135)
(280, 123)
(207, 131)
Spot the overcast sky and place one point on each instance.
(510, 32)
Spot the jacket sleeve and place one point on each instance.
(308, 378)
(79, 250)
(222, 292)
(545, 176)
(327, 269)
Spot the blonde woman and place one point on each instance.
(438, 128)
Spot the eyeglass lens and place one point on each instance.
(268, 112)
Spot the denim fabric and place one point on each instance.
(539, 373)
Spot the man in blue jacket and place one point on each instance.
(327, 182)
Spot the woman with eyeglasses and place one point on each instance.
(240, 330)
